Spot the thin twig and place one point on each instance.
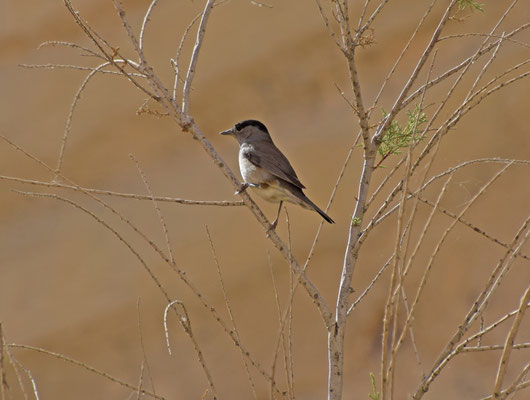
(463, 64)
(82, 68)
(194, 57)
(371, 19)
(471, 34)
(108, 55)
(68, 44)
(280, 339)
(142, 346)
(328, 26)
(140, 381)
(4, 387)
(493, 347)
(478, 306)
(84, 366)
(288, 355)
(157, 209)
(400, 57)
(508, 344)
(399, 103)
(71, 113)
(184, 319)
(125, 195)
(176, 61)
(230, 314)
(144, 23)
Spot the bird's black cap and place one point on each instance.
(252, 122)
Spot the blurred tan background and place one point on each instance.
(67, 284)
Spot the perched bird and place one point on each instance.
(266, 170)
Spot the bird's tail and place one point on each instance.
(318, 210)
(295, 195)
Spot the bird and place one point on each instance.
(266, 170)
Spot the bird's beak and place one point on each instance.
(227, 132)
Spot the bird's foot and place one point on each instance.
(272, 228)
(241, 189)
(244, 187)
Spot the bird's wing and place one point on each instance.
(272, 160)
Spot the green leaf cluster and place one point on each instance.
(472, 4)
(398, 137)
(375, 394)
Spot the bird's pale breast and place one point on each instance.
(268, 187)
(251, 173)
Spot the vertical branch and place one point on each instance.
(337, 331)
(508, 345)
(398, 266)
(176, 61)
(348, 48)
(144, 24)
(194, 57)
(4, 387)
(395, 282)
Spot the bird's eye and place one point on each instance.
(238, 127)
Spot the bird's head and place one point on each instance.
(247, 131)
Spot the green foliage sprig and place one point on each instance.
(397, 137)
(375, 394)
(472, 4)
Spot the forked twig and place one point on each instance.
(194, 57)
(86, 367)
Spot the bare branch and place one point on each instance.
(399, 103)
(231, 315)
(400, 57)
(144, 23)
(371, 19)
(508, 345)
(86, 367)
(194, 57)
(71, 113)
(157, 209)
(126, 195)
(493, 347)
(109, 56)
(484, 50)
(142, 346)
(68, 44)
(371, 285)
(177, 57)
(471, 34)
(328, 26)
(81, 68)
(185, 323)
(4, 387)
(476, 309)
